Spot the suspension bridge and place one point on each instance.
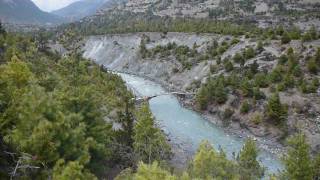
(179, 94)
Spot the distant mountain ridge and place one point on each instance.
(25, 12)
(80, 9)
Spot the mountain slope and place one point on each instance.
(80, 9)
(25, 12)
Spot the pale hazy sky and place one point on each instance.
(50, 5)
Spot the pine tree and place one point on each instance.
(149, 142)
(276, 112)
(71, 170)
(152, 171)
(228, 66)
(298, 164)
(245, 107)
(246, 88)
(250, 168)
(202, 98)
(209, 164)
(220, 94)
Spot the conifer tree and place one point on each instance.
(250, 168)
(276, 112)
(209, 164)
(298, 164)
(149, 142)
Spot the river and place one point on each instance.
(186, 128)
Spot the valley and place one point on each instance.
(160, 89)
(121, 53)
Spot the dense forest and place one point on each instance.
(58, 116)
(67, 118)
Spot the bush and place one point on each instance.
(238, 58)
(213, 68)
(246, 88)
(257, 94)
(259, 48)
(275, 76)
(261, 80)
(312, 66)
(283, 59)
(297, 71)
(285, 39)
(249, 53)
(227, 114)
(235, 41)
(228, 66)
(245, 107)
(256, 118)
(254, 67)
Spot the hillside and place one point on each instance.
(159, 14)
(252, 73)
(25, 12)
(80, 9)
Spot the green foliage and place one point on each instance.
(261, 80)
(208, 163)
(202, 98)
(143, 50)
(275, 111)
(276, 75)
(152, 171)
(228, 66)
(257, 94)
(298, 163)
(72, 170)
(213, 91)
(250, 168)
(254, 67)
(238, 58)
(256, 118)
(283, 59)
(246, 88)
(245, 107)
(149, 142)
(316, 167)
(249, 53)
(310, 35)
(312, 66)
(259, 48)
(285, 39)
(54, 110)
(141, 22)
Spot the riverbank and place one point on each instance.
(186, 129)
(233, 128)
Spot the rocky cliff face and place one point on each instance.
(121, 53)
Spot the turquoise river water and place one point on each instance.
(187, 127)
